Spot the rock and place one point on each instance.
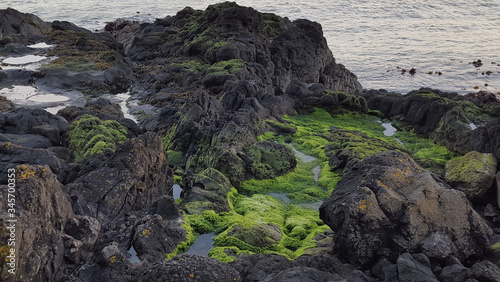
(12, 155)
(490, 211)
(85, 229)
(258, 267)
(34, 121)
(261, 235)
(155, 237)
(27, 140)
(454, 273)
(486, 271)
(21, 26)
(138, 172)
(42, 211)
(473, 174)
(190, 268)
(347, 148)
(74, 113)
(266, 159)
(388, 193)
(303, 274)
(412, 270)
(385, 270)
(497, 178)
(208, 190)
(438, 246)
(6, 105)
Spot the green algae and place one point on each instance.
(298, 227)
(89, 135)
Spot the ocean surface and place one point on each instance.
(376, 40)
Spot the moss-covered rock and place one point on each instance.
(261, 235)
(207, 191)
(89, 135)
(472, 174)
(349, 147)
(268, 159)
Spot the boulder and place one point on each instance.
(133, 177)
(437, 246)
(414, 269)
(190, 268)
(12, 155)
(388, 201)
(35, 121)
(41, 213)
(155, 237)
(207, 191)
(486, 271)
(261, 235)
(21, 26)
(472, 174)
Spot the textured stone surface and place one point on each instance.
(388, 201)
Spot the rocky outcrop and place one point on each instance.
(190, 268)
(134, 176)
(273, 267)
(243, 62)
(472, 174)
(41, 214)
(389, 202)
(19, 27)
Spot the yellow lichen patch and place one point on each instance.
(112, 259)
(363, 206)
(25, 172)
(146, 233)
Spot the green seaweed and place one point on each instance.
(89, 135)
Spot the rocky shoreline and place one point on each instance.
(224, 101)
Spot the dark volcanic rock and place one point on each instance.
(132, 178)
(42, 211)
(12, 155)
(472, 174)
(190, 268)
(486, 271)
(388, 201)
(36, 121)
(19, 27)
(412, 269)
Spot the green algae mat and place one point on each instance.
(281, 215)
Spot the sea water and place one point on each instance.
(374, 39)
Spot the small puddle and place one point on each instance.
(316, 170)
(134, 258)
(305, 158)
(29, 96)
(121, 99)
(177, 191)
(23, 60)
(314, 205)
(48, 98)
(41, 45)
(202, 245)
(390, 131)
(281, 196)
